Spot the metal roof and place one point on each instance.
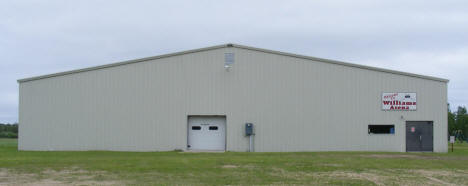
(236, 46)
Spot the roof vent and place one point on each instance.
(228, 60)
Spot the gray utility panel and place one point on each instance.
(248, 129)
(419, 136)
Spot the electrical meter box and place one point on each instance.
(249, 129)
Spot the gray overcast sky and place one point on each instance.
(419, 36)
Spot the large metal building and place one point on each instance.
(202, 100)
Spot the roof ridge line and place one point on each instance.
(235, 46)
(336, 62)
(126, 62)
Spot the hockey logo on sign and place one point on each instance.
(399, 101)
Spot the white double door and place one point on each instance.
(206, 133)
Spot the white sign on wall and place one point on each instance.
(399, 101)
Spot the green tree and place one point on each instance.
(451, 122)
(8, 130)
(458, 123)
(461, 120)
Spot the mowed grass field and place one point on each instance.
(231, 168)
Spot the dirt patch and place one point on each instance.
(334, 175)
(230, 166)
(392, 156)
(249, 167)
(408, 177)
(432, 175)
(331, 165)
(413, 156)
(382, 177)
(372, 177)
(53, 177)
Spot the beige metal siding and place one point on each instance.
(296, 104)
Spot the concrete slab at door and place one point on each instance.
(206, 133)
(419, 136)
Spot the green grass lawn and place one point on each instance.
(232, 168)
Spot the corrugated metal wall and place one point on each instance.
(295, 104)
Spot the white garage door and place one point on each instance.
(206, 133)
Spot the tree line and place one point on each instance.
(9, 130)
(458, 123)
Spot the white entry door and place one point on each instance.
(206, 133)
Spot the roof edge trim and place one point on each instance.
(343, 63)
(120, 63)
(235, 46)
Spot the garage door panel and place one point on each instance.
(206, 133)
